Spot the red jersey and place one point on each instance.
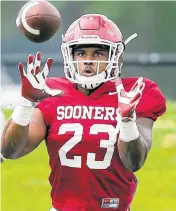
(86, 171)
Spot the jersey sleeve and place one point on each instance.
(46, 108)
(152, 103)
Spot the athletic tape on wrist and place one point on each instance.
(128, 131)
(22, 115)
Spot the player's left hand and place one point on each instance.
(127, 101)
(34, 87)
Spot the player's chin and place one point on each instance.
(88, 74)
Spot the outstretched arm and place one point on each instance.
(18, 140)
(26, 128)
(134, 153)
(135, 136)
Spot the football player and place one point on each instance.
(97, 127)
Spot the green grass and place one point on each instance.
(25, 184)
(157, 179)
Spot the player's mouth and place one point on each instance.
(88, 72)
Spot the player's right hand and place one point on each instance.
(33, 80)
(128, 101)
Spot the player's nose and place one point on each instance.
(88, 62)
(88, 59)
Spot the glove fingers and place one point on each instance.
(30, 59)
(30, 64)
(135, 98)
(134, 86)
(49, 63)
(52, 92)
(133, 105)
(47, 67)
(119, 85)
(138, 83)
(142, 87)
(21, 70)
(137, 88)
(37, 63)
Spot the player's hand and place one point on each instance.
(33, 80)
(127, 101)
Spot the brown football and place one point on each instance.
(39, 20)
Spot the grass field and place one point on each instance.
(25, 186)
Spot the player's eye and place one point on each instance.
(80, 54)
(98, 54)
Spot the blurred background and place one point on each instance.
(152, 54)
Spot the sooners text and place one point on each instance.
(86, 112)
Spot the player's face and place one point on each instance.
(89, 55)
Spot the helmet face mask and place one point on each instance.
(111, 71)
(93, 30)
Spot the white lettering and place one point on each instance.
(87, 112)
(60, 112)
(98, 112)
(77, 112)
(68, 112)
(109, 113)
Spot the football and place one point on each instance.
(39, 20)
